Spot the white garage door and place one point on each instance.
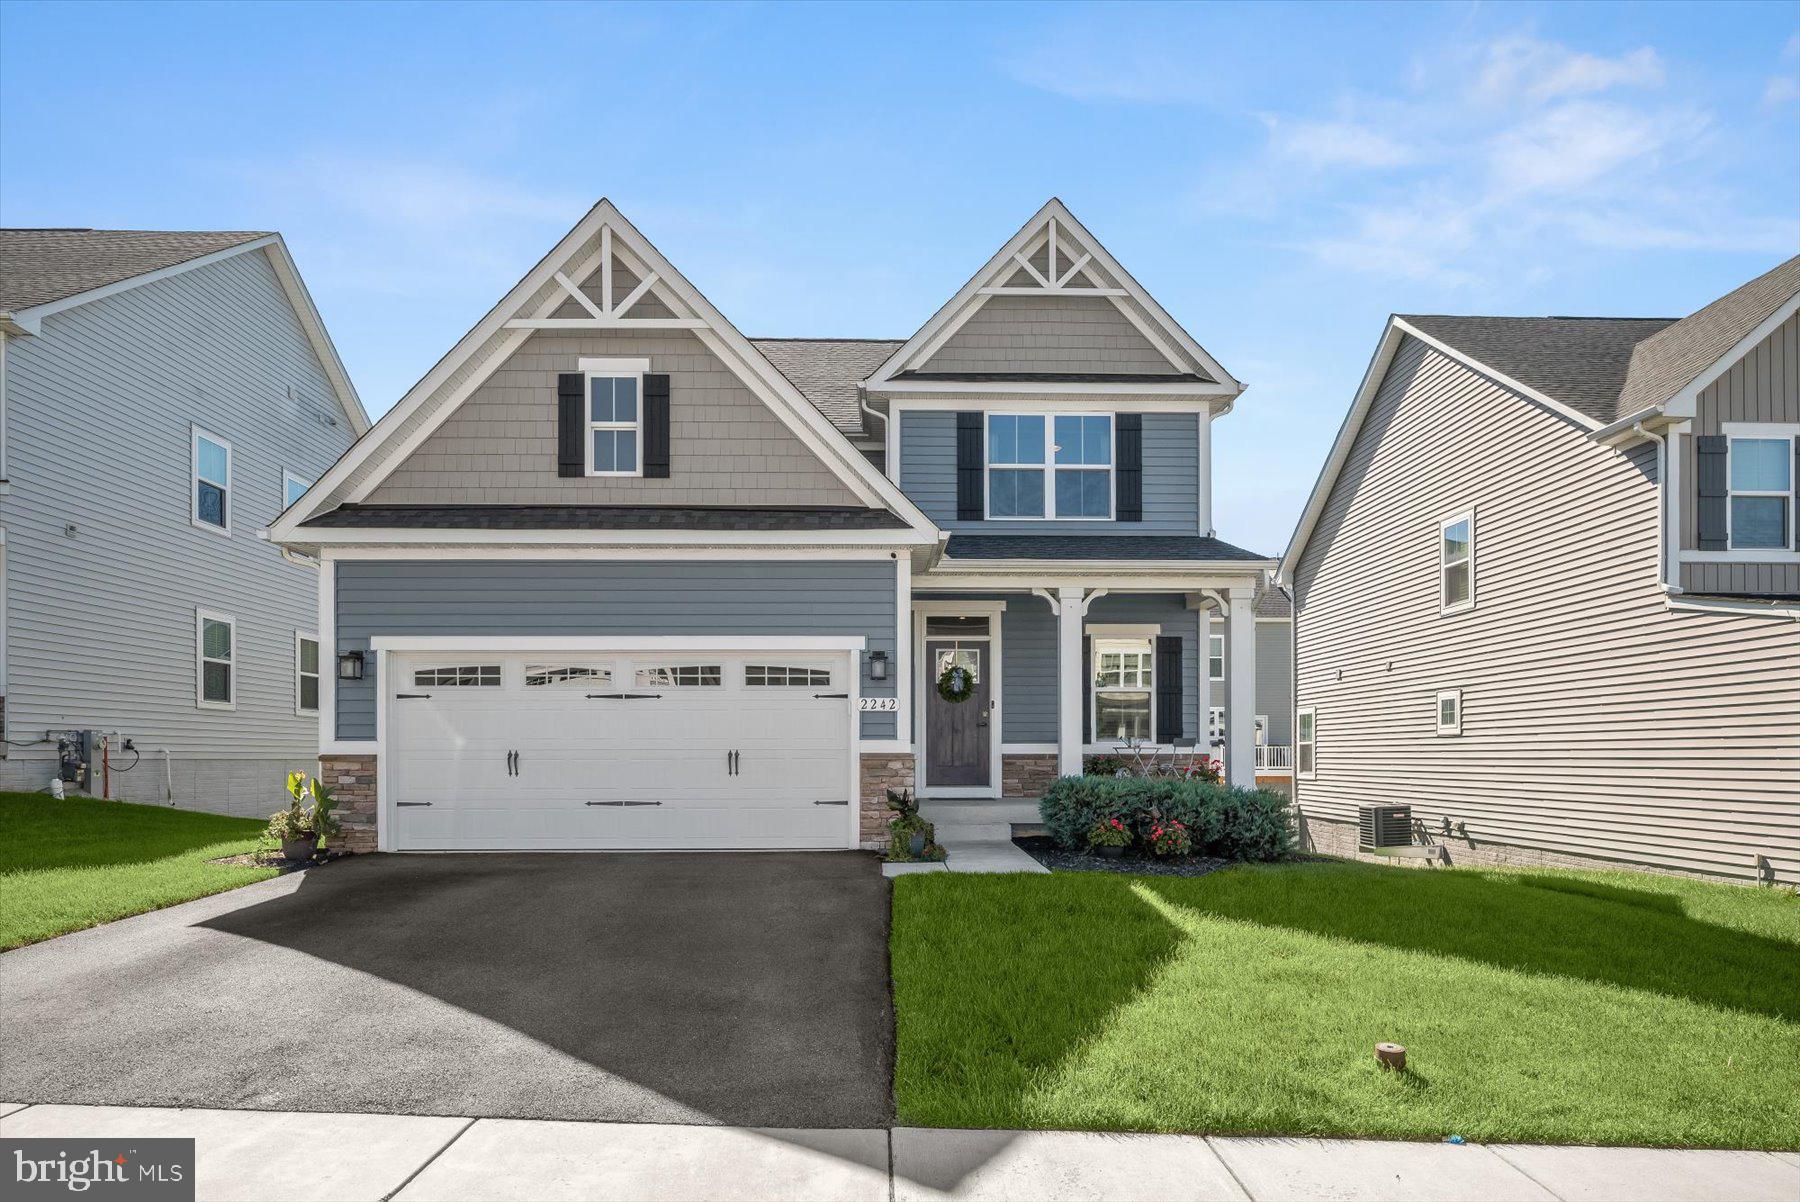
(620, 751)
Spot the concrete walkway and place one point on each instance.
(250, 1156)
(977, 835)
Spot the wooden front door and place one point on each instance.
(957, 733)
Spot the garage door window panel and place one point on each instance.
(681, 676)
(458, 677)
(786, 676)
(560, 675)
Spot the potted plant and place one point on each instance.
(307, 820)
(1109, 837)
(908, 828)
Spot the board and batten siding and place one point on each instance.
(1049, 334)
(1597, 722)
(1171, 480)
(104, 568)
(618, 598)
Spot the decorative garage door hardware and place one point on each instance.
(731, 763)
(412, 803)
(412, 696)
(624, 803)
(839, 696)
(624, 696)
(839, 802)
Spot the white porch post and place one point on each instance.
(1071, 607)
(1240, 689)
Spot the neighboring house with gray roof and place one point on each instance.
(162, 396)
(1547, 590)
(613, 575)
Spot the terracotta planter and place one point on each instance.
(300, 849)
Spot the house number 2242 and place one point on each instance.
(878, 705)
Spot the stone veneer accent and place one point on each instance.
(882, 771)
(1326, 837)
(351, 779)
(1026, 775)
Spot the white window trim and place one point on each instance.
(1772, 432)
(201, 618)
(196, 433)
(612, 369)
(300, 636)
(1210, 640)
(1049, 467)
(1443, 569)
(1303, 716)
(1437, 713)
(1119, 635)
(288, 478)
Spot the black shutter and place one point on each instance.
(656, 427)
(1087, 689)
(970, 467)
(1128, 462)
(1709, 460)
(1168, 688)
(571, 431)
(1794, 525)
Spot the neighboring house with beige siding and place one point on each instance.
(1547, 591)
(163, 395)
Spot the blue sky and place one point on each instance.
(1280, 177)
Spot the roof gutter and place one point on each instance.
(1630, 428)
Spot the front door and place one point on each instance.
(957, 733)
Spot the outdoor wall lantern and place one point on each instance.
(878, 664)
(350, 665)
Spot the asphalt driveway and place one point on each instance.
(738, 989)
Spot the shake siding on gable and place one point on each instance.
(1049, 334)
(1596, 721)
(100, 619)
(499, 447)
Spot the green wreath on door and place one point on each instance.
(956, 684)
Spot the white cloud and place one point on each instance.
(1323, 144)
(418, 195)
(1524, 68)
(1577, 144)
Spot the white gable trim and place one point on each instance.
(1685, 402)
(619, 237)
(1359, 408)
(1162, 330)
(30, 321)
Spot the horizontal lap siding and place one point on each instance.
(1596, 721)
(1275, 679)
(100, 621)
(927, 475)
(1049, 334)
(597, 598)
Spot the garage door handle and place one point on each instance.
(839, 802)
(624, 696)
(412, 803)
(838, 696)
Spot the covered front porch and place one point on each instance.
(1009, 683)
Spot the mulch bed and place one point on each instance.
(1045, 852)
(275, 860)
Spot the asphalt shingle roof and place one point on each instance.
(603, 517)
(1667, 361)
(828, 370)
(1095, 546)
(43, 265)
(1579, 361)
(1272, 602)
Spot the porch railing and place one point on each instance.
(1274, 757)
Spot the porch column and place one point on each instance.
(1071, 607)
(1240, 688)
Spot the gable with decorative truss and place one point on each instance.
(1053, 306)
(483, 426)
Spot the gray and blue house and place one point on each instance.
(613, 575)
(163, 395)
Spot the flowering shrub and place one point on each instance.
(1109, 832)
(1223, 821)
(1169, 838)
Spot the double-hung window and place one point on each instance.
(211, 482)
(1215, 657)
(1050, 466)
(306, 674)
(615, 416)
(1760, 475)
(1456, 563)
(1306, 723)
(215, 660)
(1124, 682)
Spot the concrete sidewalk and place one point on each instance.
(249, 1156)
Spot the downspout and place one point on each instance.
(1662, 507)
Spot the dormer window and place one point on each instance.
(615, 416)
(1050, 466)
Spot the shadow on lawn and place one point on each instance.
(1595, 932)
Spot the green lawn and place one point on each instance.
(65, 865)
(1544, 1006)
